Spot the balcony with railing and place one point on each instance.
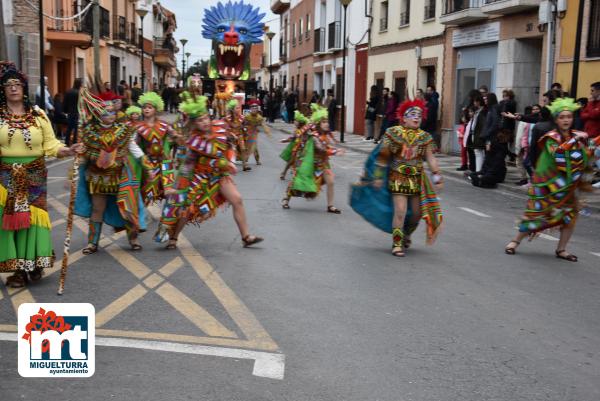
(282, 50)
(429, 10)
(459, 12)
(72, 32)
(334, 36)
(320, 40)
(119, 32)
(279, 6)
(164, 51)
(404, 19)
(503, 7)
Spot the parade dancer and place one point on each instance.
(109, 185)
(157, 140)
(290, 152)
(395, 192)
(253, 121)
(559, 173)
(26, 138)
(204, 183)
(312, 168)
(234, 122)
(134, 114)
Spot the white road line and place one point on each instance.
(475, 212)
(266, 364)
(595, 254)
(548, 237)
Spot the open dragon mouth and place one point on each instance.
(230, 60)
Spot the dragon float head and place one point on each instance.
(233, 28)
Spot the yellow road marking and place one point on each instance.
(20, 297)
(240, 314)
(153, 280)
(119, 305)
(58, 222)
(128, 261)
(171, 267)
(194, 312)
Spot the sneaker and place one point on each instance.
(522, 182)
(596, 185)
(367, 139)
(462, 168)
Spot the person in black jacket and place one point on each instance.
(476, 140)
(71, 99)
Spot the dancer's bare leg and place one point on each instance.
(400, 206)
(231, 193)
(329, 181)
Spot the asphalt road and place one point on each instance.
(322, 311)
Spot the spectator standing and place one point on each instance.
(390, 113)
(136, 92)
(507, 125)
(462, 134)
(381, 109)
(476, 140)
(371, 113)
(578, 124)
(48, 107)
(59, 118)
(290, 105)
(71, 99)
(591, 113)
(121, 88)
(331, 105)
(433, 105)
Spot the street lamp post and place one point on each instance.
(187, 60)
(183, 42)
(270, 35)
(345, 4)
(141, 12)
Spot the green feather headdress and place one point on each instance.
(194, 107)
(319, 113)
(152, 98)
(133, 110)
(563, 104)
(301, 118)
(232, 104)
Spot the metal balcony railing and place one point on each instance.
(404, 18)
(73, 25)
(167, 43)
(453, 6)
(334, 36)
(383, 24)
(320, 40)
(119, 28)
(429, 9)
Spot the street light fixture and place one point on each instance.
(345, 4)
(183, 43)
(141, 12)
(270, 35)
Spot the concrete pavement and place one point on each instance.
(323, 297)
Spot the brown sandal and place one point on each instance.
(285, 203)
(35, 274)
(172, 244)
(249, 240)
(90, 249)
(560, 254)
(135, 246)
(398, 252)
(511, 250)
(17, 280)
(333, 209)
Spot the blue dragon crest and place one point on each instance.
(233, 28)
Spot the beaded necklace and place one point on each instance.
(18, 122)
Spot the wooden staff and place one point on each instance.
(67, 243)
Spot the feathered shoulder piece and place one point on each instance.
(319, 113)
(407, 105)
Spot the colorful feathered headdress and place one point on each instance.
(563, 104)
(89, 106)
(301, 118)
(133, 110)
(407, 105)
(193, 106)
(319, 113)
(152, 98)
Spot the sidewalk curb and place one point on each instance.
(450, 171)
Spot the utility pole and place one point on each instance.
(3, 51)
(96, 40)
(575, 73)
